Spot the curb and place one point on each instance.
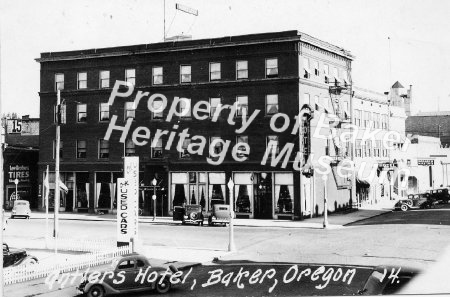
(380, 214)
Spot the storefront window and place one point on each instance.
(103, 189)
(243, 192)
(82, 190)
(216, 189)
(116, 175)
(180, 188)
(284, 191)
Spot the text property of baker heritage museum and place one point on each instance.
(240, 151)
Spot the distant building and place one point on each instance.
(433, 124)
(21, 160)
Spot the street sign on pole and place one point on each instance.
(125, 209)
(131, 174)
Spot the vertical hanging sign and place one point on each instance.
(124, 212)
(131, 174)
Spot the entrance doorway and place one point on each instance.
(263, 196)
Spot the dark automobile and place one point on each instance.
(416, 201)
(14, 257)
(188, 214)
(387, 280)
(441, 194)
(128, 273)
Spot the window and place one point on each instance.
(307, 71)
(185, 108)
(284, 193)
(157, 75)
(336, 75)
(376, 151)
(241, 148)
(184, 154)
(306, 99)
(242, 105)
(271, 68)
(82, 80)
(61, 145)
(130, 148)
(81, 113)
(358, 148)
(345, 77)
(104, 112)
(157, 149)
(368, 148)
(316, 102)
(59, 81)
(81, 149)
(130, 111)
(157, 106)
(358, 114)
(217, 145)
(316, 68)
(214, 71)
(130, 76)
(104, 79)
(271, 104)
(127, 264)
(376, 120)
(367, 119)
(326, 73)
(214, 103)
(241, 69)
(185, 73)
(103, 149)
(274, 149)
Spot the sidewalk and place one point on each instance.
(337, 220)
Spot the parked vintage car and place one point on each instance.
(15, 257)
(188, 214)
(441, 194)
(21, 209)
(379, 282)
(416, 201)
(220, 214)
(121, 277)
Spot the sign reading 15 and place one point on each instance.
(16, 126)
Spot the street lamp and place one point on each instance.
(154, 198)
(16, 181)
(325, 201)
(231, 246)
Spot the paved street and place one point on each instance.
(394, 238)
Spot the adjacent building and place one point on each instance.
(276, 75)
(432, 124)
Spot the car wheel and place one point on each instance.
(183, 222)
(28, 217)
(409, 203)
(96, 291)
(193, 216)
(404, 207)
(163, 286)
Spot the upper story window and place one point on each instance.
(316, 68)
(306, 99)
(104, 79)
(316, 102)
(104, 112)
(157, 106)
(157, 149)
(103, 149)
(81, 149)
(157, 74)
(130, 111)
(82, 80)
(272, 67)
(271, 104)
(358, 115)
(185, 108)
(130, 148)
(185, 74)
(81, 113)
(274, 148)
(326, 73)
(242, 105)
(345, 77)
(307, 71)
(336, 75)
(358, 148)
(59, 81)
(61, 145)
(130, 76)
(214, 71)
(184, 154)
(241, 139)
(367, 119)
(376, 120)
(241, 69)
(217, 145)
(214, 103)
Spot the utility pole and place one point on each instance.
(56, 208)
(1, 187)
(325, 201)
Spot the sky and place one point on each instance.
(418, 53)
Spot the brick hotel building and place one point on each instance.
(280, 72)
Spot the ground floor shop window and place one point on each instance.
(82, 190)
(284, 191)
(216, 188)
(243, 192)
